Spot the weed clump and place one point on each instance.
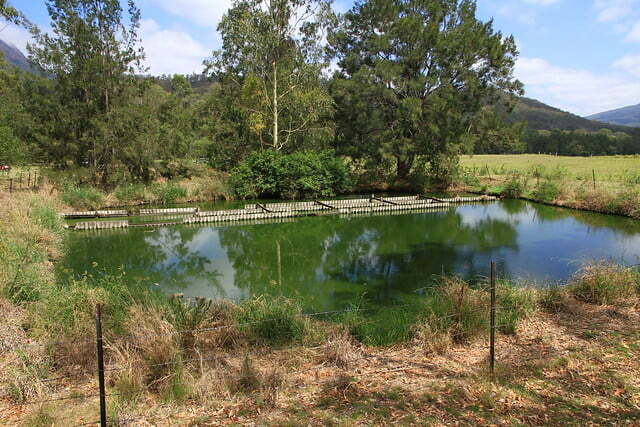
(514, 187)
(272, 320)
(605, 283)
(249, 379)
(515, 304)
(455, 314)
(82, 197)
(547, 191)
(340, 351)
(169, 193)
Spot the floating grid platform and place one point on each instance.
(258, 212)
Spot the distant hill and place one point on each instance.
(626, 116)
(541, 116)
(14, 57)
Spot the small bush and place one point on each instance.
(129, 193)
(547, 191)
(169, 193)
(275, 320)
(381, 327)
(82, 197)
(556, 299)
(604, 283)
(514, 187)
(247, 378)
(340, 351)
(303, 174)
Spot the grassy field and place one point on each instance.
(614, 169)
(608, 185)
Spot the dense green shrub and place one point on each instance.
(547, 191)
(129, 193)
(82, 197)
(11, 149)
(276, 320)
(169, 192)
(514, 187)
(297, 175)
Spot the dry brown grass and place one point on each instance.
(23, 362)
(340, 350)
(151, 352)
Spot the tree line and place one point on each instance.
(399, 87)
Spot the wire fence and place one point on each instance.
(21, 181)
(491, 310)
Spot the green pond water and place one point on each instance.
(331, 262)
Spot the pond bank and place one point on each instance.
(300, 367)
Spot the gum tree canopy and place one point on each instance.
(272, 51)
(413, 74)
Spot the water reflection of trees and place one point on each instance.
(327, 259)
(612, 223)
(164, 255)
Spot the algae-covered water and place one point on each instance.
(329, 262)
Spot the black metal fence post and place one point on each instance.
(10, 185)
(100, 351)
(492, 346)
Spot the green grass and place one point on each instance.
(598, 184)
(272, 320)
(617, 169)
(82, 197)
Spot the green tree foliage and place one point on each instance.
(91, 55)
(582, 143)
(273, 55)
(413, 75)
(490, 134)
(11, 148)
(12, 15)
(303, 174)
(224, 127)
(15, 122)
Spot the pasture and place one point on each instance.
(614, 169)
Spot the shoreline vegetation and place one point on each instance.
(563, 353)
(595, 184)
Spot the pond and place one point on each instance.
(329, 262)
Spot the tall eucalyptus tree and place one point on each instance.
(273, 53)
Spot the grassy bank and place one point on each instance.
(601, 184)
(75, 191)
(264, 361)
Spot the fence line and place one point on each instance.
(81, 374)
(101, 370)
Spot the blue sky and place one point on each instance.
(579, 55)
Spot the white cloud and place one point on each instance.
(614, 10)
(629, 64)
(579, 91)
(205, 13)
(623, 15)
(170, 51)
(634, 34)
